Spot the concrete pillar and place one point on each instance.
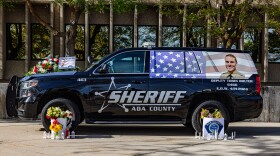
(52, 24)
(265, 49)
(208, 35)
(86, 36)
(184, 35)
(3, 89)
(27, 39)
(160, 26)
(135, 28)
(241, 43)
(61, 29)
(111, 27)
(2, 44)
(218, 42)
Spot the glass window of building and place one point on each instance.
(40, 42)
(15, 41)
(195, 37)
(252, 43)
(99, 41)
(123, 37)
(171, 36)
(273, 46)
(80, 42)
(147, 34)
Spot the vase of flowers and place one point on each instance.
(56, 129)
(60, 121)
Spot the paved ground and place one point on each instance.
(25, 138)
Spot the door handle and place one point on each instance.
(138, 82)
(189, 81)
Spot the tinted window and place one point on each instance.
(128, 62)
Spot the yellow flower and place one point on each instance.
(204, 113)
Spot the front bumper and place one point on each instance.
(27, 110)
(248, 107)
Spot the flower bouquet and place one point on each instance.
(213, 124)
(206, 113)
(55, 127)
(50, 64)
(60, 121)
(47, 65)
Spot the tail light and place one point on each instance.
(258, 84)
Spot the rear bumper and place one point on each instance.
(248, 107)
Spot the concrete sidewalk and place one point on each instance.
(25, 138)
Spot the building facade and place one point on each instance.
(23, 41)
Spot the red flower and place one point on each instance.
(35, 69)
(48, 117)
(43, 65)
(67, 133)
(55, 122)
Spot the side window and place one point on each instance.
(128, 62)
(167, 62)
(191, 63)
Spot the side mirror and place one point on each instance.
(104, 68)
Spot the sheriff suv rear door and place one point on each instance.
(174, 77)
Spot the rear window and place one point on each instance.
(198, 64)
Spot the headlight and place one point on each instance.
(28, 84)
(27, 88)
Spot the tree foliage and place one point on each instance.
(77, 7)
(228, 19)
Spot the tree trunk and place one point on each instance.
(71, 33)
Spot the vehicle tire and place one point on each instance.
(211, 105)
(64, 104)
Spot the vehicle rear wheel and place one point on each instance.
(64, 104)
(211, 105)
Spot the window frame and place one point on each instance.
(156, 34)
(31, 41)
(132, 41)
(180, 33)
(108, 33)
(7, 43)
(84, 36)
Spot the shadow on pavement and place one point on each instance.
(151, 130)
(251, 131)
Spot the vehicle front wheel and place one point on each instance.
(211, 105)
(64, 104)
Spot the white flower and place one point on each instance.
(45, 62)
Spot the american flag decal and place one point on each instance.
(195, 64)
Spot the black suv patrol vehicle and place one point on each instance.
(146, 85)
